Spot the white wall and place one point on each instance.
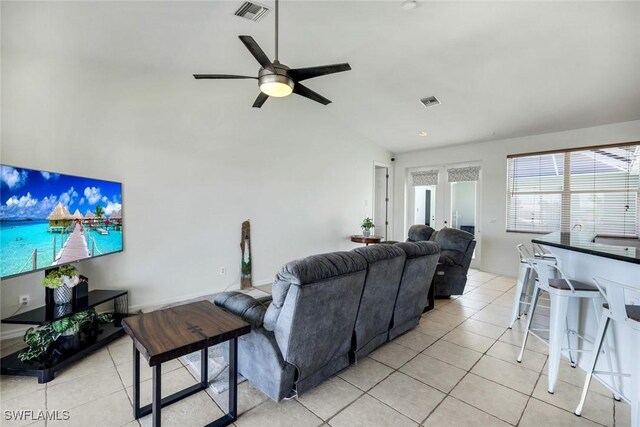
(498, 246)
(195, 161)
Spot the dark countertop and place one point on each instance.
(580, 241)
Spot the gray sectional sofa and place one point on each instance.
(329, 310)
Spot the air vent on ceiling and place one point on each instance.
(429, 101)
(252, 11)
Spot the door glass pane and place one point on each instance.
(425, 205)
(463, 206)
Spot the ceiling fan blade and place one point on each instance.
(308, 93)
(300, 74)
(221, 76)
(257, 53)
(260, 100)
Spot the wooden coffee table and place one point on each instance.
(167, 334)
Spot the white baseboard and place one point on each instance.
(14, 333)
(18, 331)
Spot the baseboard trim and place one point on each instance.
(18, 331)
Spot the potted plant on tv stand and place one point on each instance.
(63, 336)
(367, 225)
(62, 280)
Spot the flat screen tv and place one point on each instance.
(49, 219)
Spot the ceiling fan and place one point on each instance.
(278, 80)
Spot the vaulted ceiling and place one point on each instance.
(501, 69)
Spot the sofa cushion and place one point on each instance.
(453, 239)
(418, 249)
(309, 270)
(386, 264)
(375, 253)
(419, 233)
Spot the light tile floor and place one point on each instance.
(457, 368)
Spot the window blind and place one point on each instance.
(593, 189)
(604, 190)
(534, 198)
(429, 177)
(466, 174)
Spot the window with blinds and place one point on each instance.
(592, 189)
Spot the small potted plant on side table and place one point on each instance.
(367, 225)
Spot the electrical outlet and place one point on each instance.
(223, 271)
(24, 299)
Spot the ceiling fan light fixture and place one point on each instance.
(276, 85)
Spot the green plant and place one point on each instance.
(367, 223)
(65, 275)
(99, 211)
(39, 340)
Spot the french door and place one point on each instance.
(446, 196)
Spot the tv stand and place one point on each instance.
(45, 370)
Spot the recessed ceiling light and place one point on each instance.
(423, 134)
(409, 4)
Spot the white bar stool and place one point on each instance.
(523, 288)
(561, 291)
(617, 310)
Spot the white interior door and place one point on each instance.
(447, 204)
(381, 200)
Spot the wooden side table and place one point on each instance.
(167, 334)
(366, 239)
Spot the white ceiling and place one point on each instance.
(501, 69)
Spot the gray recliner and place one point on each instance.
(384, 271)
(417, 275)
(304, 335)
(419, 233)
(457, 248)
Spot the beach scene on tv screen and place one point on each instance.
(49, 219)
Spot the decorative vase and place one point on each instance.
(366, 232)
(61, 310)
(62, 295)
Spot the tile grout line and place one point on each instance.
(362, 393)
(461, 379)
(485, 353)
(124, 387)
(532, 391)
(419, 353)
(531, 396)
